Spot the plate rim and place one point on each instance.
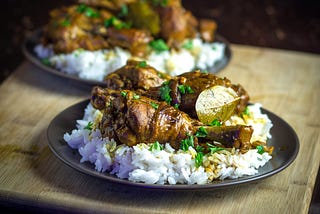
(216, 185)
(30, 42)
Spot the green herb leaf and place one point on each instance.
(213, 148)
(156, 146)
(215, 122)
(161, 3)
(186, 143)
(199, 159)
(188, 45)
(165, 92)
(204, 71)
(199, 149)
(159, 45)
(81, 8)
(136, 97)
(89, 126)
(65, 23)
(246, 111)
(88, 11)
(189, 89)
(124, 94)
(123, 11)
(182, 89)
(176, 106)
(201, 132)
(46, 61)
(154, 105)
(185, 89)
(260, 149)
(142, 64)
(115, 22)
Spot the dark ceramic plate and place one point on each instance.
(34, 39)
(284, 140)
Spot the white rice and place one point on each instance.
(168, 166)
(94, 65)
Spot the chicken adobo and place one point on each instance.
(181, 91)
(129, 24)
(139, 106)
(131, 119)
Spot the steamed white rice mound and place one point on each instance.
(94, 65)
(167, 166)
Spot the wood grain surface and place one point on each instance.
(286, 83)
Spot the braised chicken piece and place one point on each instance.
(177, 23)
(135, 40)
(174, 90)
(135, 75)
(75, 27)
(131, 119)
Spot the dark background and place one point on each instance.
(283, 24)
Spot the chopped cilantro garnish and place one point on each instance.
(215, 122)
(81, 8)
(142, 64)
(186, 143)
(199, 149)
(165, 92)
(124, 94)
(88, 11)
(185, 89)
(189, 89)
(154, 105)
(199, 156)
(213, 148)
(65, 23)
(201, 132)
(199, 159)
(260, 149)
(123, 11)
(161, 3)
(188, 45)
(159, 45)
(115, 22)
(176, 105)
(46, 61)
(246, 111)
(156, 146)
(136, 97)
(204, 71)
(89, 126)
(91, 13)
(182, 89)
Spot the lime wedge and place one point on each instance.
(216, 103)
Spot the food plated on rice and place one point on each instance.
(149, 127)
(92, 38)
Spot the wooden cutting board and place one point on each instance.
(284, 82)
